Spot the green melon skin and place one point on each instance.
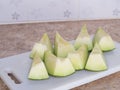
(57, 66)
(38, 70)
(62, 47)
(104, 40)
(83, 38)
(41, 47)
(96, 60)
(79, 57)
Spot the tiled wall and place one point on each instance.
(12, 11)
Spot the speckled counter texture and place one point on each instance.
(16, 39)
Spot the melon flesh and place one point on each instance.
(62, 47)
(83, 38)
(38, 70)
(96, 60)
(79, 57)
(104, 40)
(46, 41)
(57, 66)
(41, 47)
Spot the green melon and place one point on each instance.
(96, 60)
(79, 57)
(62, 47)
(58, 66)
(41, 47)
(104, 40)
(83, 38)
(38, 70)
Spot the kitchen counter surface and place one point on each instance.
(19, 38)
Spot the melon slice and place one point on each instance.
(46, 41)
(62, 47)
(57, 66)
(83, 38)
(41, 47)
(104, 40)
(96, 60)
(79, 57)
(38, 70)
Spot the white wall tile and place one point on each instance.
(99, 9)
(12, 11)
(38, 10)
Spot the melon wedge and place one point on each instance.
(96, 60)
(38, 70)
(46, 41)
(57, 66)
(62, 47)
(83, 38)
(41, 47)
(79, 57)
(104, 40)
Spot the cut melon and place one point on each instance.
(79, 57)
(96, 60)
(41, 47)
(38, 70)
(57, 66)
(83, 38)
(62, 47)
(46, 41)
(104, 40)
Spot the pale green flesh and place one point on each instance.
(41, 47)
(79, 57)
(96, 61)
(76, 61)
(58, 66)
(67, 60)
(38, 70)
(62, 47)
(83, 38)
(46, 41)
(105, 45)
(104, 40)
(63, 50)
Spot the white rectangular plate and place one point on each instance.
(19, 65)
